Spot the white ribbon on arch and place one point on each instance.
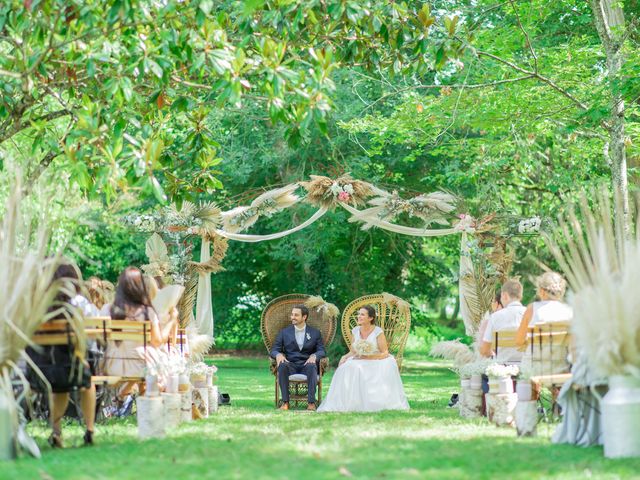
(242, 237)
(392, 227)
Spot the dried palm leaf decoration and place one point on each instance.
(602, 264)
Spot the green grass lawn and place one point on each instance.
(250, 440)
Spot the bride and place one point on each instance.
(367, 378)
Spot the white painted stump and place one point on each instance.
(150, 417)
(501, 408)
(172, 415)
(471, 403)
(213, 399)
(7, 447)
(526, 418)
(185, 406)
(201, 402)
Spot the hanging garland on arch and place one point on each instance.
(484, 261)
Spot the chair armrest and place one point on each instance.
(273, 366)
(324, 365)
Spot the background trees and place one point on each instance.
(515, 106)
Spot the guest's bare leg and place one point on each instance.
(60, 403)
(88, 406)
(125, 390)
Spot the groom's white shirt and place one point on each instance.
(300, 336)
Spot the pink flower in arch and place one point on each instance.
(344, 197)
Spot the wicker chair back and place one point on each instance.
(394, 320)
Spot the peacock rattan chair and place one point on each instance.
(393, 316)
(276, 316)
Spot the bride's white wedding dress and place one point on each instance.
(366, 385)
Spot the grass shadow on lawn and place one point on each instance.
(250, 439)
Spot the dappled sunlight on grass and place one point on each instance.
(250, 439)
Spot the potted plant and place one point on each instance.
(198, 374)
(474, 372)
(524, 389)
(500, 377)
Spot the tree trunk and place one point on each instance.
(456, 311)
(609, 21)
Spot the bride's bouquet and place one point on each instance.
(363, 348)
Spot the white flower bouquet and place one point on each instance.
(498, 370)
(199, 369)
(176, 365)
(475, 368)
(363, 348)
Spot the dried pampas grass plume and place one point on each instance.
(329, 310)
(199, 345)
(453, 350)
(319, 190)
(601, 262)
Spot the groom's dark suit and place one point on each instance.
(296, 357)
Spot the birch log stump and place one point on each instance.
(150, 417)
(501, 408)
(172, 414)
(526, 418)
(213, 399)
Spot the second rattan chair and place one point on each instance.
(393, 316)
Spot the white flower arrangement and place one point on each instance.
(529, 225)
(342, 192)
(176, 365)
(498, 370)
(363, 348)
(199, 369)
(475, 368)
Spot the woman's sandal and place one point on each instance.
(88, 437)
(55, 440)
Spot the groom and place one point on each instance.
(297, 349)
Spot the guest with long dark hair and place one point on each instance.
(132, 302)
(61, 365)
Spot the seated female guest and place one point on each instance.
(549, 308)
(64, 370)
(100, 292)
(367, 379)
(125, 358)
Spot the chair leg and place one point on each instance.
(277, 393)
(319, 390)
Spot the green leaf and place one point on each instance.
(155, 68)
(206, 6)
(158, 191)
(180, 104)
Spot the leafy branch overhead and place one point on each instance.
(121, 92)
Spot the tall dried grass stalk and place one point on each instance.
(602, 265)
(26, 290)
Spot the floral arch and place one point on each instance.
(485, 258)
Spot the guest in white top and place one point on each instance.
(550, 289)
(506, 319)
(550, 308)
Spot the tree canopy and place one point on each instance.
(515, 106)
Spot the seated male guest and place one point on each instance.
(297, 349)
(506, 319)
